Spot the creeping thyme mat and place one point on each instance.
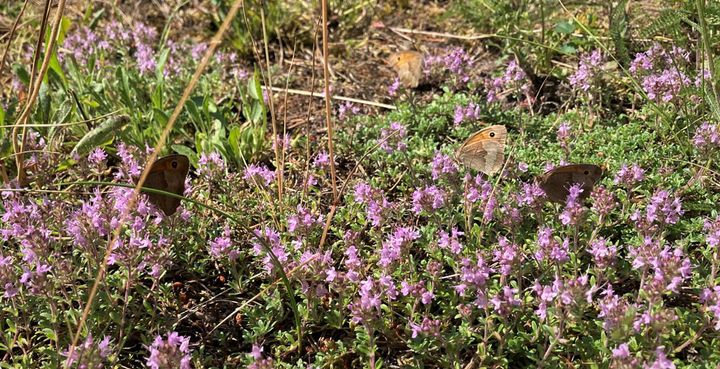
(407, 259)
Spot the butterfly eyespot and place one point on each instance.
(492, 134)
(174, 164)
(587, 173)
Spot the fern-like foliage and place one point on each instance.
(619, 32)
(669, 23)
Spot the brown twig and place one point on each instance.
(441, 34)
(161, 142)
(328, 120)
(334, 97)
(36, 82)
(12, 35)
(279, 146)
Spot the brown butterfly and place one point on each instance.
(167, 174)
(557, 182)
(484, 150)
(408, 65)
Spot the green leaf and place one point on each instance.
(564, 27)
(160, 117)
(44, 103)
(234, 142)
(50, 334)
(100, 134)
(160, 67)
(57, 71)
(193, 111)
(65, 24)
(123, 85)
(254, 88)
(157, 96)
(619, 30)
(568, 49)
(21, 73)
(184, 150)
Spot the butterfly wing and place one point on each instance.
(557, 182)
(408, 65)
(484, 150)
(168, 174)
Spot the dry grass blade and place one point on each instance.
(151, 159)
(11, 33)
(36, 83)
(328, 117)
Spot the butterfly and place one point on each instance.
(408, 65)
(167, 174)
(484, 150)
(557, 182)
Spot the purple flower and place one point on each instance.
(514, 79)
(654, 319)
(81, 44)
(378, 207)
(621, 352)
(613, 309)
(710, 297)
(713, 232)
(428, 327)
(549, 249)
(661, 360)
(222, 246)
(474, 276)
(531, 195)
(393, 88)
(621, 358)
(268, 237)
(259, 175)
(574, 210)
(363, 192)
(443, 166)
(198, 51)
(393, 139)
(630, 176)
(568, 292)
(507, 255)
(470, 112)
(366, 307)
(663, 208)
(171, 353)
(563, 136)
(450, 241)
(666, 268)
(145, 59)
(393, 247)
(346, 109)
(503, 302)
(211, 166)
(603, 201)
(455, 62)
(303, 221)
(259, 361)
(586, 74)
(707, 137)
(87, 354)
(97, 157)
(428, 199)
(602, 253)
(284, 141)
(322, 160)
(479, 189)
(660, 73)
